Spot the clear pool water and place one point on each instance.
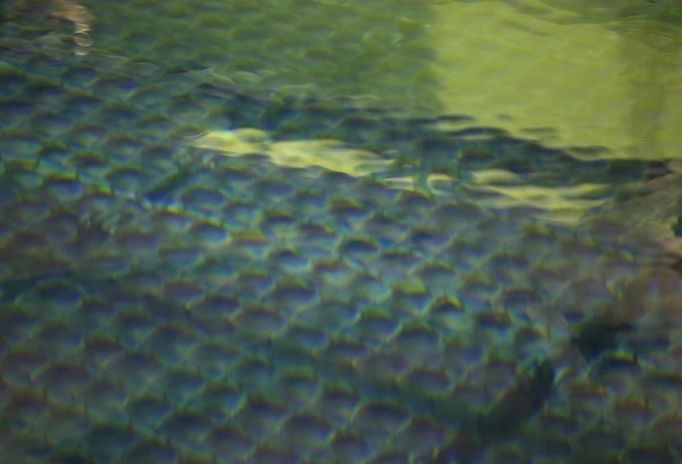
(340, 231)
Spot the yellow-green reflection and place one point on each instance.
(603, 75)
(564, 205)
(331, 155)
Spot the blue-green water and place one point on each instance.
(303, 231)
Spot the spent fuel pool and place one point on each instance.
(310, 263)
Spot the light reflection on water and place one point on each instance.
(467, 210)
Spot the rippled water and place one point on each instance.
(340, 231)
